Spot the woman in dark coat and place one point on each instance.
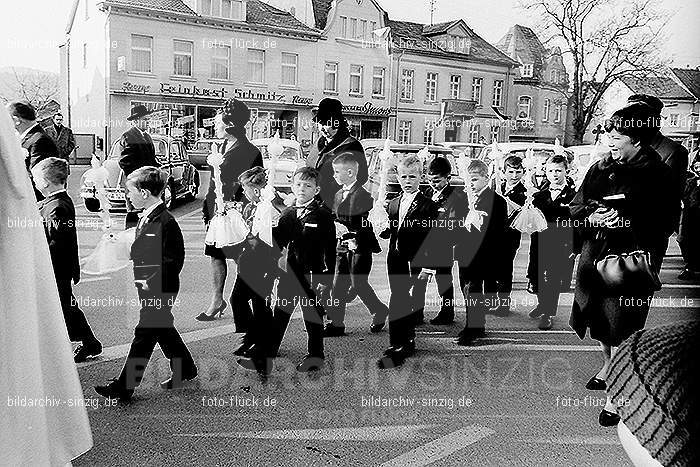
(239, 156)
(644, 219)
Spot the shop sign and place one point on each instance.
(238, 93)
(184, 120)
(367, 109)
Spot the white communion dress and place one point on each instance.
(42, 419)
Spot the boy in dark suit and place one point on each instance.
(555, 244)
(480, 253)
(257, 266)
(452, 208)
(514, 191)
(307, 231)
(411, 216)
(354, 251)
(58, 213)
(158, 253)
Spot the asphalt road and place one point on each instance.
(516, 399)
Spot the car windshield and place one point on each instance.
(289, 153)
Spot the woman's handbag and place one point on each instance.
(628, 272)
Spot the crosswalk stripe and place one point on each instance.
(367, 433)
(573, 440)
(440, 448)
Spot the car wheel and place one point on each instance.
(169, 195)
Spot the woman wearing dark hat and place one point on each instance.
(136, 149)
(335, 139)
(239, 155)
(640, 216)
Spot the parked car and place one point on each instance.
(369, 144)
(471, 150)
(183, 178)
(200, 150)
(403, 150)
(289, 161)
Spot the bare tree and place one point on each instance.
(603, 41)
(36, 87)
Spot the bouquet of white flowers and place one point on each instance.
(227, 227)
(530, 219)
(378, 216)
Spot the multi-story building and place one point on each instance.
(352, 64)
(450, 84)
(679, 90)
(183, 58)
(539, 103)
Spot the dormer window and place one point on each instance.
(526, 70)
(228, 9)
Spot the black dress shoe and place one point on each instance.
(243, 350)
(545, 323)
(333, 331)
(596, 384)
(85, 351)
(263, 366)
(535, 313)
(114, 390)
(310, 363)
(469, 336)
(608, 418)
(375, 328)
(388, 362)
(173, 383)
(442, 319)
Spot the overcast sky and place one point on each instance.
(30, 30)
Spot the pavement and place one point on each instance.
(515, 399)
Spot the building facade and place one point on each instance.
(539, 102)
(679, 91)
(182, 59)
(449, 84)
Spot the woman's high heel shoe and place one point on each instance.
(212, 317)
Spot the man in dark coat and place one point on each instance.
(672, 153)
(35, 141)
(62, 136)
(137, 150)
(335, 140)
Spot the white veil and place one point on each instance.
(42, 420)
